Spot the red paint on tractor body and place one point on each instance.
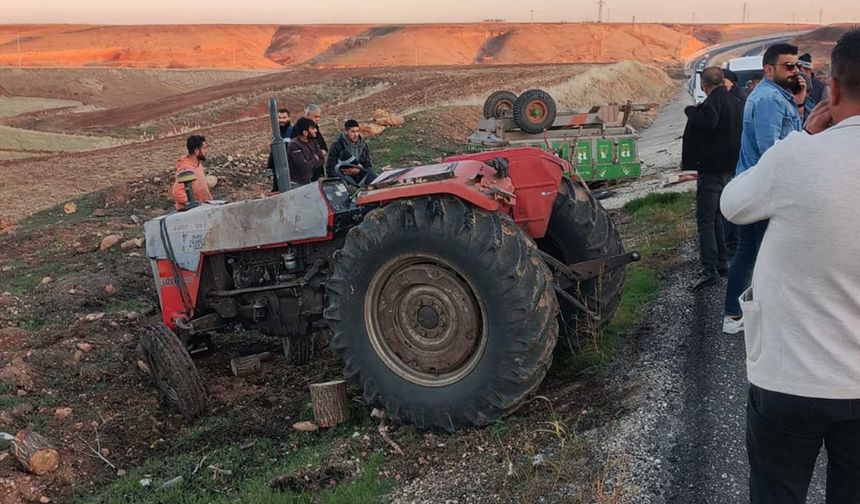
(536, 176)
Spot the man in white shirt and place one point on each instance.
(802, 312)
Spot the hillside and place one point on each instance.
(272, 46)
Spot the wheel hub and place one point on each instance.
(424, 321)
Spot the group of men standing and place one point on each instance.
(790, 155)
(308, 154)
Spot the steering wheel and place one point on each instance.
(349, 180)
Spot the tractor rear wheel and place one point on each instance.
(580, 229)
(444, 314)
(534, 111)
(499, 104)
(173, 371)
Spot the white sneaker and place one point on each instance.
(732, 326)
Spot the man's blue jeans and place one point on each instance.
(741, 269)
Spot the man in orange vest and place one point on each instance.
(197, 148)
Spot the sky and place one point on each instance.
(417, 11)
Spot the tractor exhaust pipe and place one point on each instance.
(279, 151)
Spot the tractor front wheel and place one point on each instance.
(173, 371)
(444, 314)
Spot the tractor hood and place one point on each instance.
(299, 214)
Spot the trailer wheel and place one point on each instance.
(444, 314)
(580, 229)
(173, 371)
(534, 111)
(499, 104)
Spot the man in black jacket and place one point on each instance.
(303, 152)
(716, 125)
(351, 154)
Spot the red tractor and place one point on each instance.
(444, 286)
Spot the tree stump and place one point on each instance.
(330, 403)
(249, 364)
(244, 366)
(35, 453)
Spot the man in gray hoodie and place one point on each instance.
(802, 312)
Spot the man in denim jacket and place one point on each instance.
(770, 114)
(802, 313)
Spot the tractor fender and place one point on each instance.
(472, 181)
(536, 176)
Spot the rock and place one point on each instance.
(92, 317)
(44, 500)
(6, 269)
(46, 280)
(105, 452)
(134, 243)
(90, 372)
(120, 473)
(143, 366)
(132, 315)
(84, 347)
(145, 482)
(305, 427)
(21, 392)
(538, 460)
(230, 158)
(212, 180)
(5, 418)
(70, 208)
(110, 289)
(135, 219)
(156, 179)
(22, 409)
(369, 130)
(63, 413)
(78, 356)
(134, 254)
(109, 241)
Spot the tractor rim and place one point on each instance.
(424, 320)
(502, 107)
(536, 111)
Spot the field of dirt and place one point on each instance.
(271, 46)
(232, 115)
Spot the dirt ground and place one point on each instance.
(232, 116)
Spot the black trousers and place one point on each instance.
(709, 219)
(784, 436)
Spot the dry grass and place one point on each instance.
(617, 83)
(11, 106)
(26, 140)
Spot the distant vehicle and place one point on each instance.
(696, 88)
(745, 68)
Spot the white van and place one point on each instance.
(698, 95)
(745, 68)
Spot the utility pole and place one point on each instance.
(533, 15)
(694, 17)
(18, 45)
(744, 18)
(820, 16)
(600, 4)
(608, 15)
(634, 19)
